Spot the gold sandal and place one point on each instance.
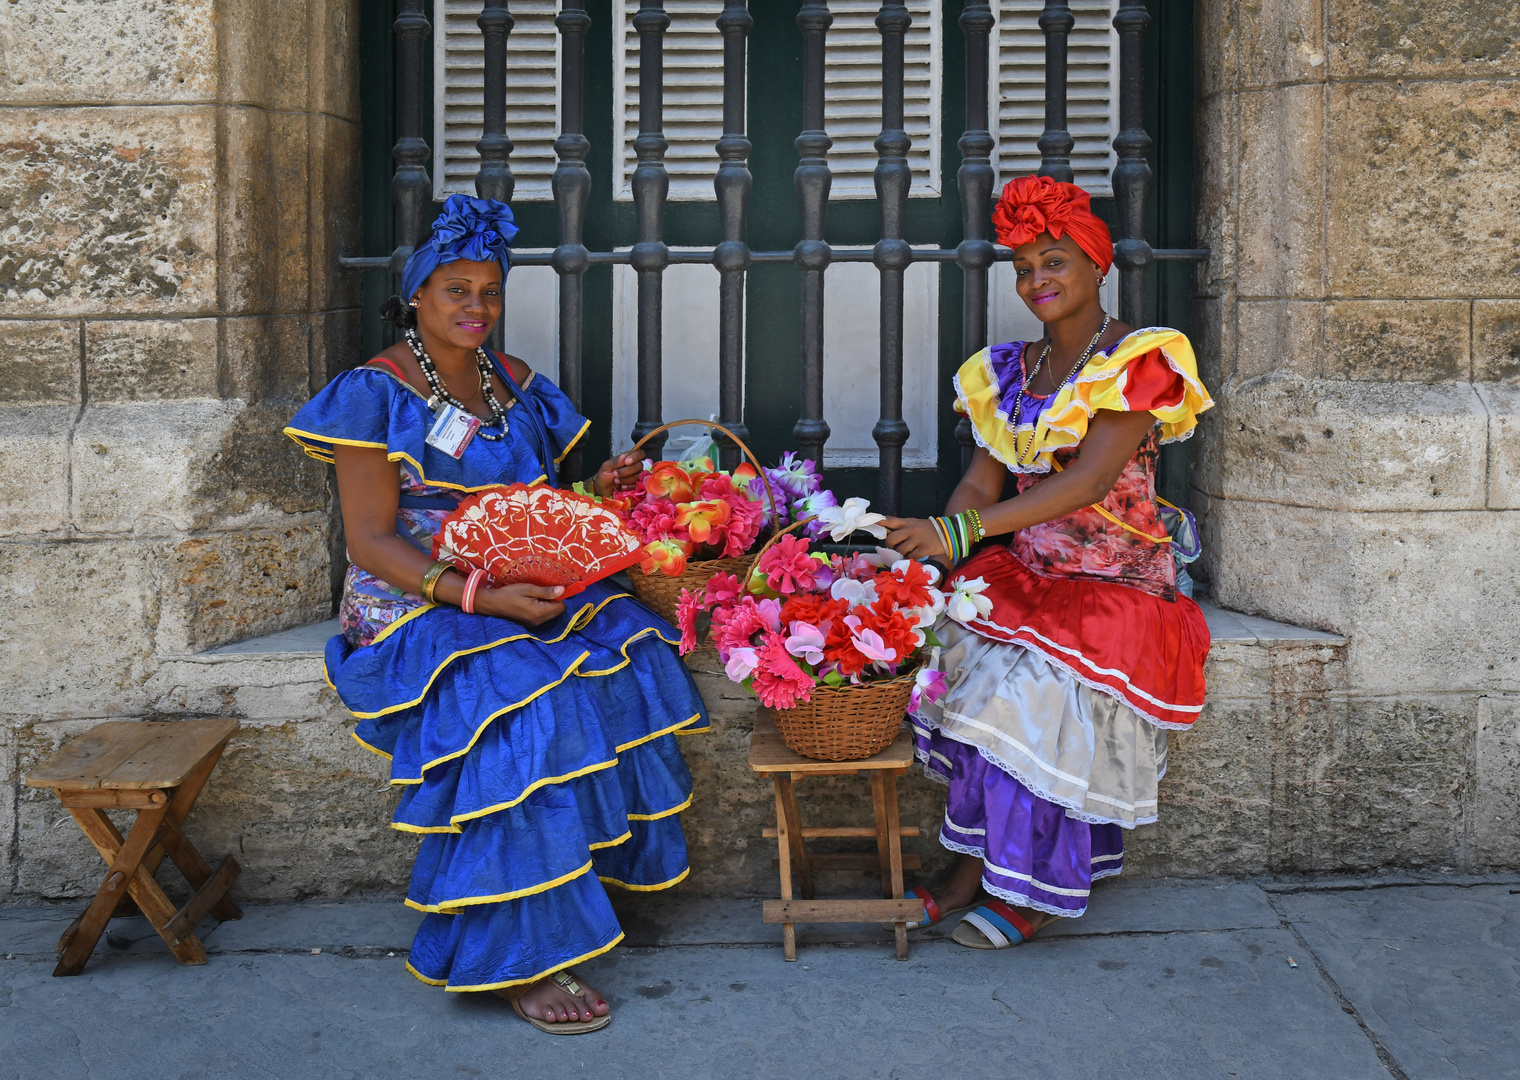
(566, 982)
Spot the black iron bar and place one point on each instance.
(893, 177)
(1132, 172)
(493, 177)
(411, 187)
(706, 256)
(651, 186)
(572, 190)
(812, 256)
(976, 252)
(732, 185)
(1056, 20)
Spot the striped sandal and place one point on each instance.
(993, 925)
(932, 912)
(566, 982)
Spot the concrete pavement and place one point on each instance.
(1402, 980)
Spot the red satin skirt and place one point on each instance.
(1134, 646)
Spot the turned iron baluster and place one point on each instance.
(812, 255)
(1056, 143)
(651, 186)
(975, 253)
(411, 187)
(892, 254)
(732, 185)
(572, 190)
(1132, 172)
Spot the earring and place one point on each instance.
(414, 303)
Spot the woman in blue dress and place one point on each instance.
(533, 740)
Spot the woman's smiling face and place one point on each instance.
(1056, 278)
(460, 302)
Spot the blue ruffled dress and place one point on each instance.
(538, 763)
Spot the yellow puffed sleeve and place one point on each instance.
(1152, 370)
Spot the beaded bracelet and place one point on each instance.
(471, 587)
(974, 518)
(959, 533)
(430, 580)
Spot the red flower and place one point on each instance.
(908, 587)
(778, 682)
(813, 609)
(893, 627)
(668, 480)
(721, 589)
(840, 649)
(655, 519)
(686, 618)
(787, 566)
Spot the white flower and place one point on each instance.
(850, 518)
(967, 602)
(883, 557)
(855, 593)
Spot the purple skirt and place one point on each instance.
(1033, 854)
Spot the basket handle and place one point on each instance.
(780, 533)
(753, 460)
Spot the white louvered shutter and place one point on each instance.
(1092, 91)
(532, 98)
(693, 110)
(852, 96)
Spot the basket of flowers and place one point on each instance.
(697, 521)
(834, 647)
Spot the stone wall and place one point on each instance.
(177, 178)
(1360, 325)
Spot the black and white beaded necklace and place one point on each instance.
(441, 395)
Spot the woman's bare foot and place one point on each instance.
(959, 887)
(546, 1001)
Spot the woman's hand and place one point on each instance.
(915, 538)
(618, 474)
(530, 605)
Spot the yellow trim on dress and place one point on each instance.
(663, 813)
(448, 907)
(571, 444)
(604, 844)
(367, 746)
(592, 955)
(1063, 422)
(655, 630)
(420, 977)
(645, 888)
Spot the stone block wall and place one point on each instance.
(1359, 323)
(177, 178)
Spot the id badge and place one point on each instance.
(453, 430)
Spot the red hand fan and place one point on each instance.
(538, 535)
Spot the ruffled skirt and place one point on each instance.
(1046, 757)
(538, 764)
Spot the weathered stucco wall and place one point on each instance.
(176, 180)
(1360, 326)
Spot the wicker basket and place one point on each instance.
(846, 723)
(663, 591)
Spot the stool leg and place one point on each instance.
(784, 853)
(123, 864)
(804, 868)
(894, 854)
(883, 841)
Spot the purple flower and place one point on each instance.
(808, 506)
(796, 476)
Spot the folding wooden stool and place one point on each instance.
(769, 756)
(157, 769)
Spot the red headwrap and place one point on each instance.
(1032, 205)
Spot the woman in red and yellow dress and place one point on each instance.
(1068, 651)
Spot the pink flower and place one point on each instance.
(655, 519)
(722, 588)
(928, 688)
(868, 642)
(741, 663)
(778, 682)
(806, 643)
(687, 610)
(788, 567)
(746, 619)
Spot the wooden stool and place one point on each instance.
(768, 755)
(157, 769)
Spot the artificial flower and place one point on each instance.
(907, 584)
(895, 627)
(966, 601)
(687, 609)
(665, 557)
(812, 608)
(721, 588)
(778, 682)
(868, 642)
(668, 480)
(851, 518)
(810, 506)
(928, 687)
(744, 621)
(655, 519)
(701, 519)
(788, 567)
(929, 568)
(796, 475)
(741, 663)
(854, 593)
(806, 643)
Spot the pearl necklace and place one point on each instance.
(1019, 453)
(441, 393)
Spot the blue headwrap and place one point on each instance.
(480, 230)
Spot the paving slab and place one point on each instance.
(1434, 971)
(1179, 1006)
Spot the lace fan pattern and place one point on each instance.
(538, 535)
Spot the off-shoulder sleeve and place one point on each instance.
(564, 425)
(352, 410)
(1151, 370)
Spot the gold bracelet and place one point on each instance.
(430, 579)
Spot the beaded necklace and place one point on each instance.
(1019, 452)
(441, 393)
